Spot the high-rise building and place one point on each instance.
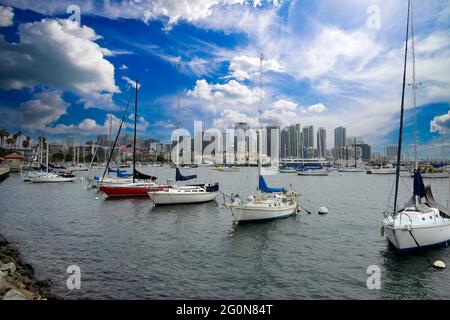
(308, 137)
(391, 152)
(340, 137)
(322, 142)
(273, 131)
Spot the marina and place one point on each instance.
(179, 251)
(216, 150)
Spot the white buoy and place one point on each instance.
(96, 198)
(323, 210)
(438, 264)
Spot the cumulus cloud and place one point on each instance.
(245, 67)
(318, 108)
(91, 127)
(230, 93)
(6, 16)
(62, 54)
(146, 10)
(44, 108)
(441, 124)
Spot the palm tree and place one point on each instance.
(26, 142)
(9, 141)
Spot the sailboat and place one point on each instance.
(49, 177)
(140, 183)
(354, 168)
(420, 224)
(183, 194)
(268, 203)
(178, 194)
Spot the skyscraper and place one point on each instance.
(340, 136)
(308, 137)
(322, 142)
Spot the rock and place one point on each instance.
(46, 283)
(10, 267)
(3, 241)
(28, 294)
(14, 294)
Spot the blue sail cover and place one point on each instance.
(115, 170)
(121, 174)
(419, 187)
(265, 188)
(180, 177)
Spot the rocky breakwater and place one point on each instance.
(17, 279)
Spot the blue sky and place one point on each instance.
(326, 63)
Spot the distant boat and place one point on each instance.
(428, 171)
(316, 172)
(350, 169)
(388, 169)
(288, 170)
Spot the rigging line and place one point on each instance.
(117, 137)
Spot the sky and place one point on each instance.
(67, 65)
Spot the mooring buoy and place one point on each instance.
(323, 210)
(438, 264)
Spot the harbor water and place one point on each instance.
(128, 249)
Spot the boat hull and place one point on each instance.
(431, 233)
(51, 180)
(246, 214)
(123, 191)
(165, 198)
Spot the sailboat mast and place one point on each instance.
(400, 135)
(259, 135)
(177, 123)
(414, 87)
(135, 125)
(46, 162)
(354, 147)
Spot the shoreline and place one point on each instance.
(17, 278)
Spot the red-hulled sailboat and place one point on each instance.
(141, 183)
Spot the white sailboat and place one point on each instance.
(49, 177)
(420, 224)
(268, 203)
(387, 169)
(313, 172)
(183, 194)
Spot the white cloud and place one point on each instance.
(245, 67)
(130, 83)
(318, 108)
(230, 93)
(228, 118)
(61, 54)
(45, 108)
(6, 16)
(91, 127)
(441, 123)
